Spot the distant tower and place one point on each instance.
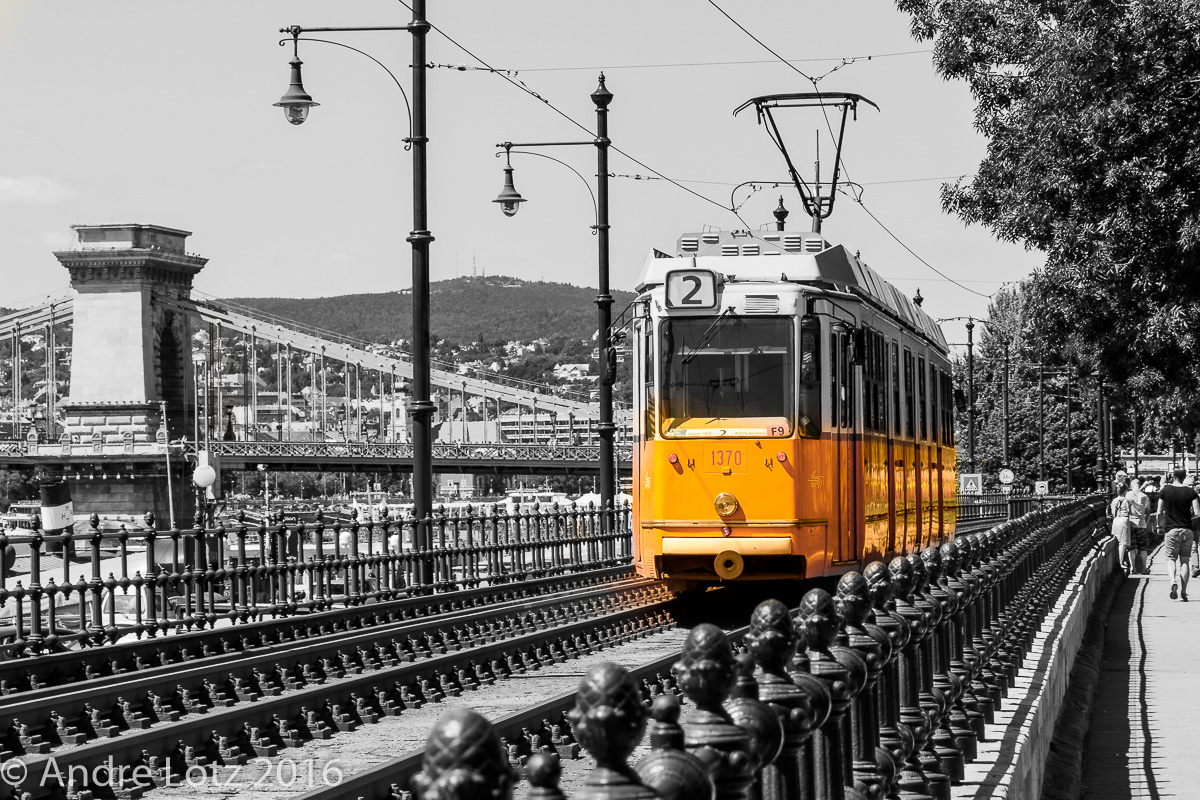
(132, 340)
(131, 289)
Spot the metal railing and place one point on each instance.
(95, 587)
(996, 505)
(885, 691)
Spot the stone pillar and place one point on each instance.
(131, 293)
(132, 340)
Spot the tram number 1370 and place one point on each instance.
(723, 458)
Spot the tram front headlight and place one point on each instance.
(725, 504)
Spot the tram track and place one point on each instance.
(269, 699)
(19, 675)
(282, 694)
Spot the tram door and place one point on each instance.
(844, 446)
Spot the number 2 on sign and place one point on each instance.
(727, 458)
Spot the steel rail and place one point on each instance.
(311, 710)
(392, 778)
(51, 669)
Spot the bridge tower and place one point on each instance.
(131, 285)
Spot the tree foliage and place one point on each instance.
(1092, 113)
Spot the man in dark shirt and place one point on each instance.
(1177, 504)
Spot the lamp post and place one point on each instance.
(971, 392)
(262, 470)
(203, 477)
(296, 104)
(510, 202)
(1006, 461)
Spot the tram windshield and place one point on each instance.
(727, 368)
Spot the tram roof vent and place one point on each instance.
(689, 244)
(751, 249)
(815, 245)
(793, 241)
(730, 250)
(711, 238)
(762, 304)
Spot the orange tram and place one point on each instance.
(793, 413)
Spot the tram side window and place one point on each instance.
(648, 381)
(923, 407)
(809, 423)
(874, 382)
(881, 383)
(896, 386)
(935, 404)
(847, 367)
(909, 411)
(947, 411)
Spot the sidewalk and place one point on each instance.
(1145, 734)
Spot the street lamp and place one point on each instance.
(262, 470)
(509, 201)
(203, 477)
(295, 101)
(296, 104)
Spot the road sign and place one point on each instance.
(1006, 488)
(1006, 476)
(1041, 487)
(970, 483)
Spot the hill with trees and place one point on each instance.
(462, 311)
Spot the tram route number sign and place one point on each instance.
(1006, 476)
(1041, 487)
(970, 483)
(691, 288)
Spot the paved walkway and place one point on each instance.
(1145, 734)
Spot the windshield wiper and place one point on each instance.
(708, 335)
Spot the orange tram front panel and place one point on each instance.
(789, 522)
(780, 523)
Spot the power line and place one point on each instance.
(913, 253)
(787, 181)
(849, 59)
(521, 85)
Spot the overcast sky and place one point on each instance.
(151, 112)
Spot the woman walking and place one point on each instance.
(1138, 505)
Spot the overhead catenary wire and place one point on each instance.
(914, 254)
(520, 85)
(849, 59)
(856, 197)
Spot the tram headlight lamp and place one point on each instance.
(725, 504)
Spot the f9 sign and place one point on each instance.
(691, 288)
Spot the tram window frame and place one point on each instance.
(685, 388)
(846, 379)
(909, 410)
(881, 383)
(923, 398)
(808, 382)
(649, 385)
(896, 413)
(935, 404)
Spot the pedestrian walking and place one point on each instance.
(1150, 488)
(1137, 506)
(1177, 505)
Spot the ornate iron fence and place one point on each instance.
(148, 582)
(884, 691)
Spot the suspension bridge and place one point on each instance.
(130, 366)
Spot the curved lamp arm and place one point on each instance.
(407, 106)
(595, 208)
